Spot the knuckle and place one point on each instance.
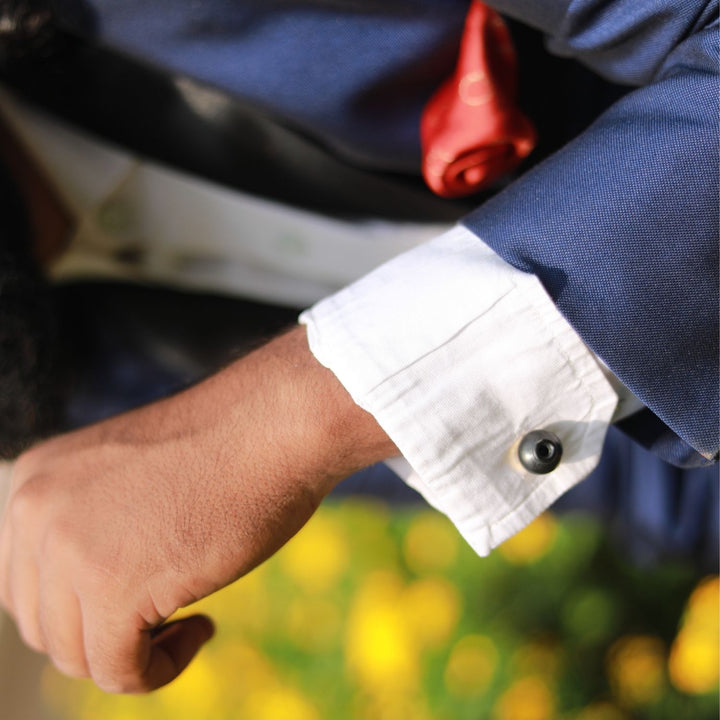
(119, 685)
(26, 466)
(30, 636)
(111, 669)
(27, 506)
(71, 667)
(21, 467)
(60, 536)
(108, 685)
(22, 507)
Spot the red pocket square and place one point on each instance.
(471, 130)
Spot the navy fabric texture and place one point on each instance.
(620, 225)
(353, 75)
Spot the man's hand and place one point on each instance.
(110, 529)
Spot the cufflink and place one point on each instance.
(540, 452)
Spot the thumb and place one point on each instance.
(173, 646)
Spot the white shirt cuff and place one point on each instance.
(458, 355)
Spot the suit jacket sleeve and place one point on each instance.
(621, 225)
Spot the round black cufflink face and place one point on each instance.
(540, 452)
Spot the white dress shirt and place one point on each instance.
(456, 353)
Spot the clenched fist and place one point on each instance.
(110, 529)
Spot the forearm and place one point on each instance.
(172, 501)
(300, 409)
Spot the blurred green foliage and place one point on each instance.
(373, 614)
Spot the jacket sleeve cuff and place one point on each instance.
(458, 355)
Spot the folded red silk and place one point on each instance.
(471, 130)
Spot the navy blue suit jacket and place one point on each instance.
(620, 225)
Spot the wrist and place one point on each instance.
(324, 434)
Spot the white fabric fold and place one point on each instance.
(458, 355)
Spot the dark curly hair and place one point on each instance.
(31, 376)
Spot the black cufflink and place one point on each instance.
(540, 452)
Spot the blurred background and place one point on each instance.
(379, 611)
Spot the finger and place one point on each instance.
(159, 632)
(174, 645)
(61, 624)
(132, 660)
(24, 599)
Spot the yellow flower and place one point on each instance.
(694, 663)
(431, 543)
(381, 651)
(471, 666)
(107, 714)
(277, 703)
(317, 556)
(530, 544)
(528, 698)
(241, 667)
(431, 607)
(196, 693)
(703, 603)
(635, 666)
